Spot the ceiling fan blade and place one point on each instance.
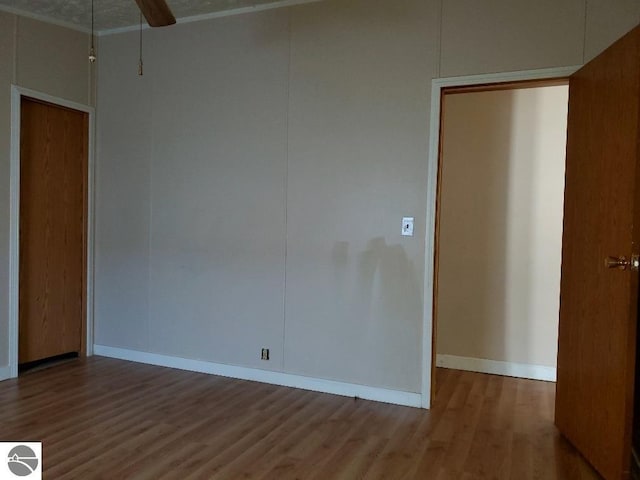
(157, 12)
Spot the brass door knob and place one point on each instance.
(622, 263)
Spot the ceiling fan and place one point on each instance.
(157, 12)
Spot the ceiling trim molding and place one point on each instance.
(44, 19)
(209, 16)
(131, 28)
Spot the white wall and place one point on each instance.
(190, 240)
(605, 21)
(502, 195)
(506, 35)
(251, 185)
(52, 60)
(357, 137)
(7, 40)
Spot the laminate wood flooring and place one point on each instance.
(101, 418)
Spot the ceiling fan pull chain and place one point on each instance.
(140, 66)
(92, 50)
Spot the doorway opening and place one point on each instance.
(548, 77)
(51, 261)
(499, 227)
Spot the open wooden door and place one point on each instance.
(53, 198)
(599, 295)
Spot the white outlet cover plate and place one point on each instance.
(407, 226)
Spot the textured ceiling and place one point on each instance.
(111, 14)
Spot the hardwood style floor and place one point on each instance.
(109, 419)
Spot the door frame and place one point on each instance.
(17, 93)
(433, 171)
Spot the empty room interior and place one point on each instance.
(500, 229)
(316, 239)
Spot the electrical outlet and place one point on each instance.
(265, 354)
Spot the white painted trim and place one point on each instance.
(91, 212)
(434, 147)
(5, 373)
(397, 397)
(209, 16)
(492, 78)
(14, 231)
(495, 367)
(136, 27)
(14, 217)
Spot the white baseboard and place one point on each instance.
(5, 372)
(397, 397)
(494, 367)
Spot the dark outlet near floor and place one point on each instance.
(265, 354)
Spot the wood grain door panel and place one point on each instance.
(53, 172)
(598, 306)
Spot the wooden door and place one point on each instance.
(598, 305)
(53, 173)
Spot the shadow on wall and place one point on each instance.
(389, 278)
(384, 285)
